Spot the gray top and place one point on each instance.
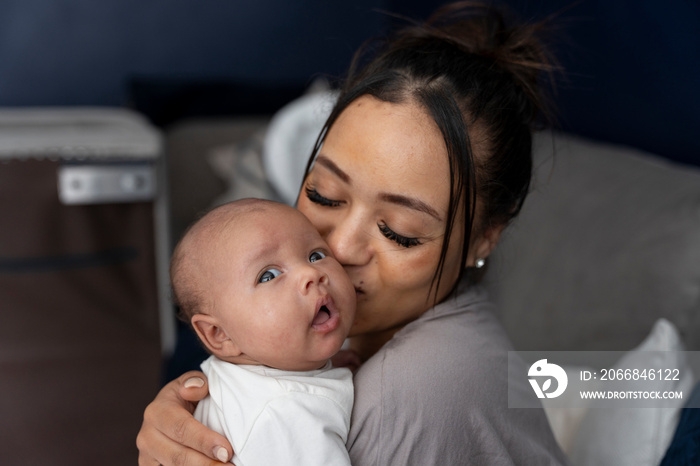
(437, 393)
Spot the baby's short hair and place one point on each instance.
(189, 292)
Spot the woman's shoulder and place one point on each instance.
(438, 393)
(460, 336)
(458, 343)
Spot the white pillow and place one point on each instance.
(565, 422)
(635, 436)
(290, 139)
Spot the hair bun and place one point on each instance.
(493, 33)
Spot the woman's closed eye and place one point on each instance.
(317, 198)
(401, 240)
(269, 274)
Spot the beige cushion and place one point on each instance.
(607, 243)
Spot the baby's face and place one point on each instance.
(279, 293)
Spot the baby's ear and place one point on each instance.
(213, 336)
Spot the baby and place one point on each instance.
(272, 305)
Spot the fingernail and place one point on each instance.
(221, 454)
(194, 382)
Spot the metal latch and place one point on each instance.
(106, 183)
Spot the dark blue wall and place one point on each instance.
(634, 73)
(632, 69)
(81, 52)
(633, 66)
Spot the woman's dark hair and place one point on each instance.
(479, 79)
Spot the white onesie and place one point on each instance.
(279, 417)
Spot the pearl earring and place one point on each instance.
(480, 263)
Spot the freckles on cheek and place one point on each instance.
(410, 273)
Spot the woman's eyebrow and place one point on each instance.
(411, 203)
(399, 199)
(329, 164)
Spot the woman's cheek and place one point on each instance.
(317, 219)
(303, 207)
(406, 281)
(409, 269)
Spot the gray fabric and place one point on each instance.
(240, 165)
(77, 133)
(607, 243)
(193, 183)
(437, 393)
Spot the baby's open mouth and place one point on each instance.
(327, 316)
(322, 316)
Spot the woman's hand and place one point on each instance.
(171, 436)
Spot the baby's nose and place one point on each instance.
(313, 277)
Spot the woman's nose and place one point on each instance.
(350, 242)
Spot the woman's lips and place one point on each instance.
(359, 293)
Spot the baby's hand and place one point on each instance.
(347, 358)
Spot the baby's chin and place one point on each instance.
(318, 361)
(327, 355)
(306, 367)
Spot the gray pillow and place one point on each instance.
(607, 243)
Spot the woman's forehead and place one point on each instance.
(387, 147)
(408, 121)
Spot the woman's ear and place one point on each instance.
(214, 336)
(484, 245)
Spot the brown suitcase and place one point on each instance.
(83, 295)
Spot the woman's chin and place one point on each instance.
(358, 328)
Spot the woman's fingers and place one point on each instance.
(171, 436)
(172, 454)
(193, 386)
(189, 432)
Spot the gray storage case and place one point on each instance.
(83, 283)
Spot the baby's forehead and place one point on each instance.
(280, 216)
(265, 224)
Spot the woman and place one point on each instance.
(424, 160)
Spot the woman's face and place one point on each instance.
(378, 193)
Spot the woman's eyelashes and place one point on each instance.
(390, 234)
(317, 198)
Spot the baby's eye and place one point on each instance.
(316, 256)
(268, 275)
